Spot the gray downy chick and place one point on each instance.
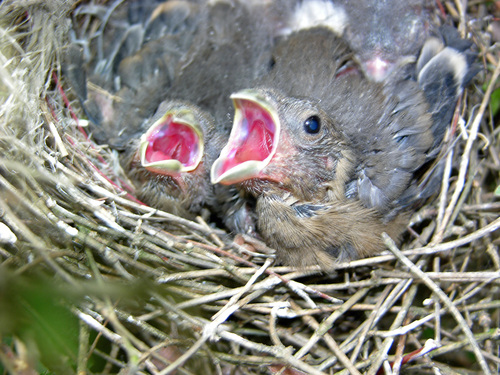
(334, 158)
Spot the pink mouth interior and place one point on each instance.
(254, 137)
(171, 140)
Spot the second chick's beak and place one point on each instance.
(173, 144)
(253, 140)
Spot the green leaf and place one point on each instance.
(495, 101)
(38, 314)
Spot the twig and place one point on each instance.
(210, 330)
(382, 355)
(328, 323)
(465, 156)
(428, 250)
(332, 344)
(443, 297)
(183, 358)
(366, 326)
(278, 352)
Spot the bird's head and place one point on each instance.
(288, 142)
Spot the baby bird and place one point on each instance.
(123, 76)
(384, 35)
(333, 158)
(170, 161)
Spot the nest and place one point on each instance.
(92, 281)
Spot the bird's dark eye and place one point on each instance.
(312, 125)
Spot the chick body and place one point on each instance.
(334, 158)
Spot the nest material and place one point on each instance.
(96, 282)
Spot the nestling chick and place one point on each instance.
(384, 35)
(169, 162)
(332, 157)
(163, 142)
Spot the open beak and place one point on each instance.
(252, 142)
(173, 144)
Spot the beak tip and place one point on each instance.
(214, 175)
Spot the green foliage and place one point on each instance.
(495, 101)
(36, 311)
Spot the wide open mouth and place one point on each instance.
(173, 144)
(252, 142)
